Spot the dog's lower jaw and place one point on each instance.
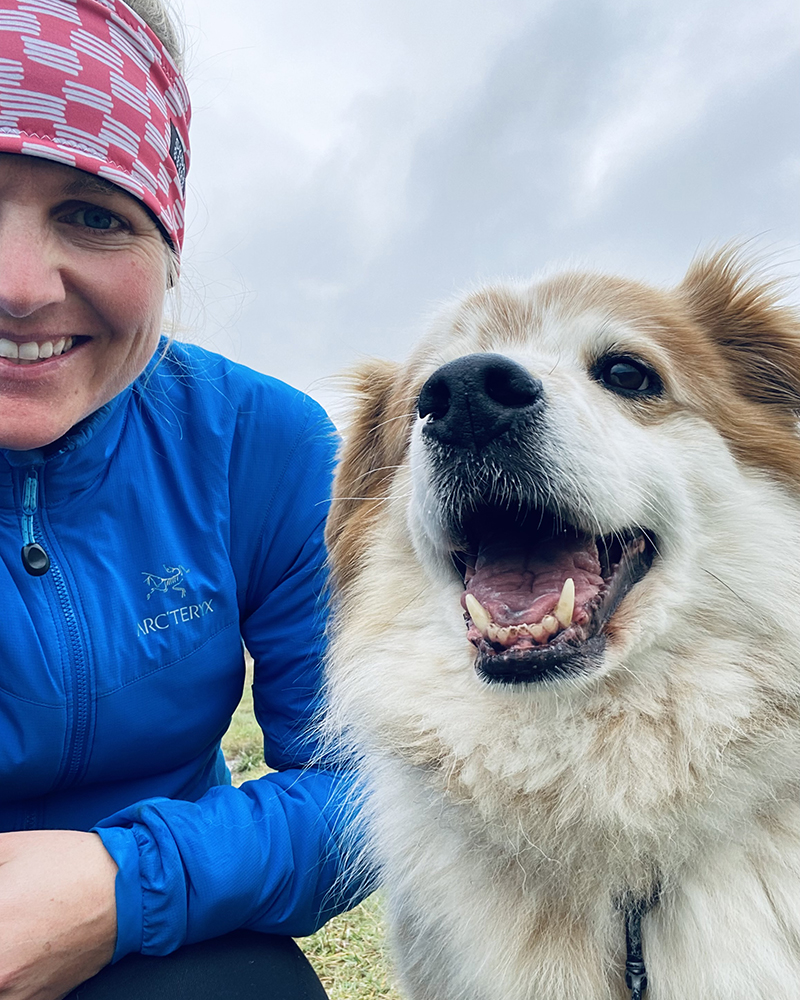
(556, 662)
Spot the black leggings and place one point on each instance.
(243, 965)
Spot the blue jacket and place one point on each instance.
(180, 519)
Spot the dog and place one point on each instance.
(565, 544)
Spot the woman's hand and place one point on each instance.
(58, 918)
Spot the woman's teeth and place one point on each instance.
(31, 351)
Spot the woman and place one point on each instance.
(158, 505)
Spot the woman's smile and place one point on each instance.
(32, 352)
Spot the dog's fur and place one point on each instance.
(513, 820)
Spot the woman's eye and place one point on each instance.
(628, 377)
(94, 217)
(98, 218)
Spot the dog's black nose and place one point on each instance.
(474, 399)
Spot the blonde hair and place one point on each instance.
(164, 22)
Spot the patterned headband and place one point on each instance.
(87, 83)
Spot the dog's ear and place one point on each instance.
(375, 443)
(741, 312)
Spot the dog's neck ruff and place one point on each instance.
(88, 84)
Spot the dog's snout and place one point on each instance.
(476, 398)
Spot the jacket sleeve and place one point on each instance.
(277, 854)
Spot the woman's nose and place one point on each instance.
(30, 270)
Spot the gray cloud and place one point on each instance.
(622, 135)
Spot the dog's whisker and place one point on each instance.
(382, 468)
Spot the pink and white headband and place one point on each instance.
(87, 83)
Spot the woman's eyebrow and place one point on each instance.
(90, 185)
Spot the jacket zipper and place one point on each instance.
(30, 493)
(79, 696)
(34, 558)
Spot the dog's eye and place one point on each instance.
(627, 376)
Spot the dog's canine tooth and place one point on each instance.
(566, 604)
(479, 615)
(550, 624)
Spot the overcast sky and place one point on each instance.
(355, 162)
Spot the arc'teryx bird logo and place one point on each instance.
(162, 584)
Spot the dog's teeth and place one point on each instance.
(478, 613)
(501, 635)
(538, 633)
(550, 624)
(563, 611)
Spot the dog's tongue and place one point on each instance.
(517, 580)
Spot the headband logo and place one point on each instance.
(176, 151)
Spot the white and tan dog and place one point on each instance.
(602, 481)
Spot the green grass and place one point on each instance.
(348, 952)
(349, 956)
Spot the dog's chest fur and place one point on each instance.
(472, 921)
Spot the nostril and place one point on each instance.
(510, 386)
(476, 398)
(434, 400)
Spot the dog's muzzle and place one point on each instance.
(540, 589)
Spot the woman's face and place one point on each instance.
(83, 271)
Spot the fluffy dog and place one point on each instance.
(566, 542)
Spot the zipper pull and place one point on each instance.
(34, 558)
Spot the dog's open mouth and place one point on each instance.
(539, 592)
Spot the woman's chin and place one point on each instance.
(28, 442)
(29, 430)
